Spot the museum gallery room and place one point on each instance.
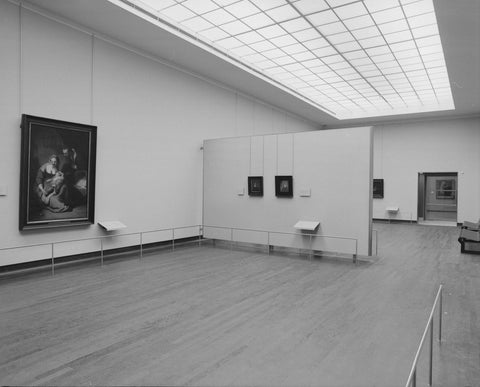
(240, 193)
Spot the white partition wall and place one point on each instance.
(333, 167)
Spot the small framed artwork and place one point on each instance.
(445, 189)
(378, 188)
(57, 174)
(255, 185)
(284, 186)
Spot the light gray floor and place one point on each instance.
(211, 316)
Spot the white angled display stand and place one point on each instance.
(111, 225)
(306, 225)
(392, 210)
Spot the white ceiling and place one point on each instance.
(458, 22)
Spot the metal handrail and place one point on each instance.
(288, 233)
(412, 377)
(201, 228)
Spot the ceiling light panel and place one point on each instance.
(350, 58)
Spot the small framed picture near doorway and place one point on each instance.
(284, 186)
(255, 185)
(378, 188)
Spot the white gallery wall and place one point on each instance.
(333, 166)
(401, 151)
(152, 120)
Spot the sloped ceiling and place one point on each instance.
(458, 21)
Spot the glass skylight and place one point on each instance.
(349, 58)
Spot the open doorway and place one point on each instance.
(437, 197)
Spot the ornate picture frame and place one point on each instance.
(57, 175)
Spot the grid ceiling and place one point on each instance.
(350, 58)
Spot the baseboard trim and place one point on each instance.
(384, 220)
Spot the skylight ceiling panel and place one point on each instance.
(351, 10)
(322, 18)
(338, 3)
(402, 46)
(295, 25)
(429, 41)
(395, 26)
(378, 50)
(303, 56)
(376, 41)
(284, 60)
(365, 33)
(229, 43)
(361, 62)
(224, 3)
(243, 51)
(359, 22)
(341, 65)
(197, 24)
(398, 37)
(324, 51)
(271, 32)
(332, 59)
(422, 20)
(438, 63)
(294, 48)
(306, 35)
(283, 41)
(406, 53)
(331, 28)
(310, 6)
(281, 14)
(384, 58)
(214, 34)
(376, 5)
(437, 48)
(347, 73)
(178, 13)
(200, 7)
(218, 17)
(254, 58)
(409, 61)
(343, 37)
(235, 27)
(263, 46)
(241, 9)
(316, 64)
(388, 15)
(355, 55)
(269, 4)
(250, 37)
(347, 47)
(429, 30)
(316, 44)
(258, 20)
(418, 8)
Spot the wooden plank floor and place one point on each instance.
(214, 317)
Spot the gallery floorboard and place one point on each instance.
(209, 316)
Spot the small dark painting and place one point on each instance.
(284, 186)
(377, 188)
(255, 185)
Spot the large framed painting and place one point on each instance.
(57, 176)
(445, 189)
(255, 185)
(377, 188)
(284, 186)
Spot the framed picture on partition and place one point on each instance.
(377, 188)
(255, 185)
(445, 189)
(283, 186)
(57, 175)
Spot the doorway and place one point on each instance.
(437, 197)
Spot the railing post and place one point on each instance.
(268, 242)
(231, 239)
(356, 252)
(199, 236)
(173, 239)
(440, 317)
(311, 248)
(430, 374)
(141, 245)
(101, 250)
(53, 261)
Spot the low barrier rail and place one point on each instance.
(172, 231)
(412, 377)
